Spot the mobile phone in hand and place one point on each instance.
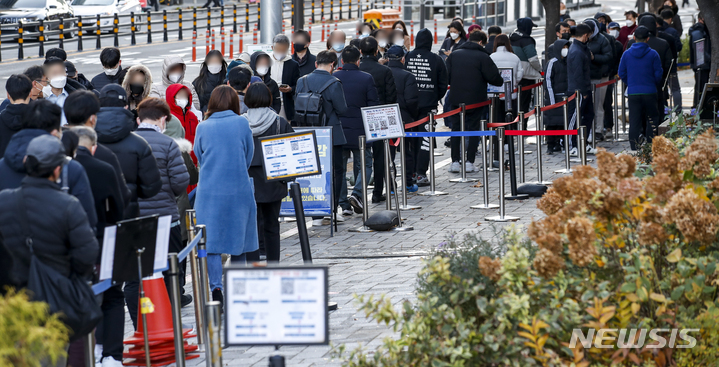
(284, 86)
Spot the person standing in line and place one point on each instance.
(578, 77)
(525, 47)
(563, 12)
(646, 73)
(261, 64)
(618, 50)
(224, 200)
(239, 79)
(504, 57)
(304, 58)
(470, 69)
(173, 72)
(137, 85)
(57, 89)
(285, 73)
(456, 36)
(39, 81)
(265, 122)
(602, 56)
(626, 32)
(555, 88)
(179, 100)
(492, 32)
(113, 72)
(18, 88)
(697, 32)
(336, 43)
(359, 91)
(212, 74)
(674, 86)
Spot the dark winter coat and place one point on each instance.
(696, 32)
(290, 74)
(12, 171)
(555, 85)
(173, 174)
(106, 155)
(578, 61)
(274, 88)
(616, 53)
(429, 70)
(603, 53)
(268, 191)
(307, 63)
(470, 69)
(490, 44)
(114, 130)
(10, 123)
(205, 91)
(333, 98)
(641, 69)
(656, 43)
(62, 236)
(109, 204)
(407, 92)
(72, 85)
(450, 45)
(383, 79)
(359, 91)
(525, 47)
(102, 79)
(677, 42)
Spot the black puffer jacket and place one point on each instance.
(10, 123)
(602, 51)
(173, 174)
(470, 69)
(205, 91)
(383, 79)
(62, 236)
(114, 130)
(102, 79)
(407, 94)
(555, 85)
(429, 70)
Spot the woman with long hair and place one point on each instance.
(212, 74)
(401, 26)
(264, 121)
(224, 201)
(456, 36)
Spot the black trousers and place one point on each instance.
(500, 115)
(268, 228)
(207, 4)
(609, 107)
(154, 3)
(643, 117)
(587, 110)
(378, 167)
(339, 170)
(111, 329)
(525, 96)
(472, 122)
(700, 78)
(419, 147)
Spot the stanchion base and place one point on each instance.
(577, 160)
(545, 183)
(432, 193)
(438, 154)
(331, 306)
(363, 229)
(516, 197)
(402, 229)
(492, 169)
(464, 180)
(498, 218)
(618, 140)
(564, 170)
(409, 207)
(525, 152)
(482, 206)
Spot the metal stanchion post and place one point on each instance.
(388, 178)
(520, 147)
(196, 283)
(617, 96)
(89, 350)
(490, 167)
(363, 171)
(567, 168)
(213, 352)
(578, 121)
(176, 309)
(403, 157)
(463, 149)
(432, 184)
(594, 121)
(393, 186)
(540, 127)
(501, 217)
(143, 313)
(581, 137)
(485, 181)
(202, 262)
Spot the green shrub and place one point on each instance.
(684, 53)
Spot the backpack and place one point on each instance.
(309, 105)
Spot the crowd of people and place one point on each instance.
(82, 154)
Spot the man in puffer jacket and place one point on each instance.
(525, 47)
(602, 55)
(114, 130)
(173, 71)
(555, 88)
(18, 89)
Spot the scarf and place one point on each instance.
(144, 125)
(261, 119)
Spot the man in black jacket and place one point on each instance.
(578, 79)
(18, 89)
(62, 236)
(387, 94)
(304, 58)
(285, 72)
(492, 32)
(113, 73)
(431, 75)
(602, 55)
(470, 69)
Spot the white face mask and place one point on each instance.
(630, 22)
(112, 72)
(399, 42)
(364, 35)
(175, 78)
(338, 47)
(58, 82)
(262, 70)
(614, 33)
(182, 103)
(279, 56)
(562, 11)
(214, 68)
(382, 43)
(46, 91)
(454, 35)
(565, 51)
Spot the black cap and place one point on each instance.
(113, 91)
(70, 69)
(641, 32)
(395, 53)
(44, 153)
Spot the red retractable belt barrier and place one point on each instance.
(605, 83)
(540, 132)
(558, 104)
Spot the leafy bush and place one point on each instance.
(683, 55)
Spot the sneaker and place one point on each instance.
(378, 198)
(448, 142)
(591, 150)
(217, 296)
(422, 181)
(347, 212)
(600, 137)
(185, 300)
(319, 222)
(469, 167)
(111, 362)
(98, 354)
(412, 188)
(573, 152)
(357, 204)
(339, 218)
(455, 167)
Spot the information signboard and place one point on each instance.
(276, 306)
(382, 122)
(289, 156)
(507, 75)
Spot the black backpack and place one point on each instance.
(309, 105)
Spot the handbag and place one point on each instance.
(71, 297)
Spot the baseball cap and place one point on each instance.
(641, 32)
(613, 25)
(44, 153)
(395, 53)
(113, 91)
(70, 69)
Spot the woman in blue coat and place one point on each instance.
(225, 202)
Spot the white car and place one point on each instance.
(89, 9)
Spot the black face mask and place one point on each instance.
(137, 89)
(602, 27)
(299, 47)
(566, 36)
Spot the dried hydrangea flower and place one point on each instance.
(693, 216)
(700, 155)
(662, 186)
(651, 234)
(581, 235)
(547, 264)
(629, 188)
(490, 268)
(551, 202)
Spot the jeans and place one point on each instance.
(599, 95)
(214, 271)
(268, 228)
(356, 164)
(472, 122)
(339, 171)
(643, 117)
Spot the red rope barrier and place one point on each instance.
(558, 104)
(542, 132)
(448, 113)
(529, 114)
(606, 83)
(529, 87)
(416, 123)
(500, 124)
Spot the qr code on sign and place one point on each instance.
(392, 120)
(268, 149)
(288, 286)
(239, 287)
(295, 146)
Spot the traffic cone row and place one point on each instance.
(159, 330)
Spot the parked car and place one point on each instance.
(27, 11)
(89, 9)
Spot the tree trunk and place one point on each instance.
(551, 18)
(710, 11)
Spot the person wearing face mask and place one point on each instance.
(212, 74)
(113, 72)
(18, 88)
(365, 30)
(602, 55)
(563, 31)
(179, 100)
(261, 63)
(285, 73)
(398, 39)
(304, 58)
(456, 36)
(676, 22)
(626, 31)
(578, 78)
(399, 26)
(56, 91)
(618, 50)
(173, 72)
(137, 85)
(383, 42)
(73, 75)
(563, 12)
(525, 47)
(555, 88)
(336, 43)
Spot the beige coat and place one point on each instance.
(159, 88)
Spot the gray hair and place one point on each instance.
(85, 134)
(281, 39)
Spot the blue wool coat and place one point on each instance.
(225, 202)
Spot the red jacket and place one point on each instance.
(624, 33)
(186, 117)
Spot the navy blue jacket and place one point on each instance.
(359, 92)
(696, 32)
(578, 73)
(407, 92)
(646, 69)
(333, 98)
